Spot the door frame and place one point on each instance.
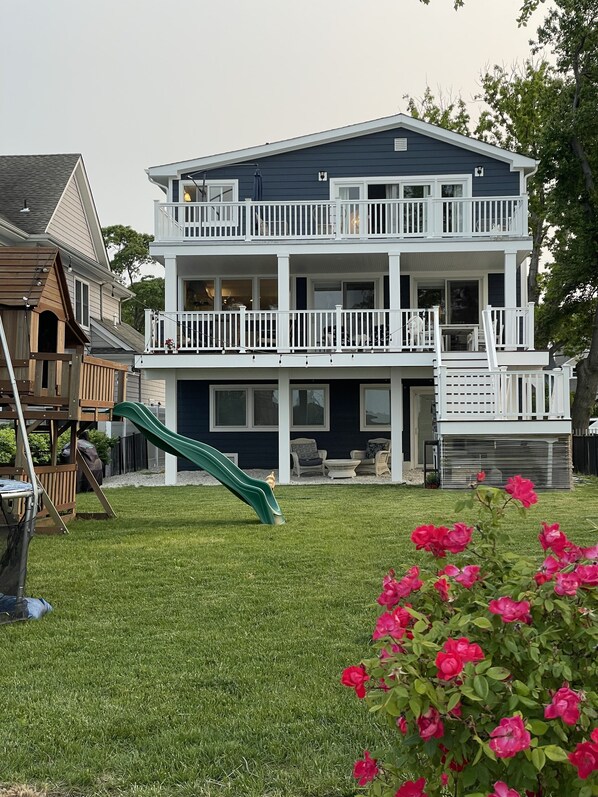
(414, 393)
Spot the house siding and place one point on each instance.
(294, 175)
(69, 223)
(260, 449)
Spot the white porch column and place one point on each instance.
(394, 285)
(170, 297)
(284, 427)
(284, 302)
(170, 461)
(523, 281)
(510, 297)
(396, 425)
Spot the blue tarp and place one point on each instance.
(36, 607)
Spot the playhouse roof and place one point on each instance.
(33, 277)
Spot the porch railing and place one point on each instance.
(503, 395)
(335, 330)
(462, 217)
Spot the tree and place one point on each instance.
(149, 295)
(128, 250)
(516, 104)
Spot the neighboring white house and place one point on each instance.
(47, 199)
(363, 282)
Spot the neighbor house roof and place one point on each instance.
(38, 180)
(160, 174)
(117, 336)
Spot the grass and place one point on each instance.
(193, 652)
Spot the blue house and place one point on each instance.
(359, 283)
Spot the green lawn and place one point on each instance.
(194, 652)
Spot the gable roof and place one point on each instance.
(39, 180)
(117, 336)
(43, 182)
(160, 174)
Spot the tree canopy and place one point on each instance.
(128, 251)
(149, 295)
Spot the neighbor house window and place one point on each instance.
(309, 407)
(82, 303)
(238, 408)
(375, 408)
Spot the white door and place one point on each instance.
(422, 428)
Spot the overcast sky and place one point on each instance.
(136, 83)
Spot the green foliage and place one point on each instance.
(521, 665)
(449, 113)
(8, 447)
(128, 250)
(149, 294)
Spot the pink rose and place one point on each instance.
(502, 790)
(444, 779)
(566, 584)
(365, 769)
(389, 596)
(468, 651)
(552, 537)
(402, 725)
(449, 665)
(409, 583)
(585, 757)
(412, 788)
(449, 570)
(565, 704)
(458, 538)
(590, 553)
(468, 576)
(430, 725)
(509, 737)
(587, 575)
(511, 611)
(442, 588)
(355, 678)
(388, 625)
(521, 490)
(430, 538)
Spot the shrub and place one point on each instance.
(485, 668)
(8, 447)
(38, 443)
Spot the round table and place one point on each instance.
(341, 468)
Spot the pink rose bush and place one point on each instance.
(485, 663)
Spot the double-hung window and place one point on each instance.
(243, 408)
(82, 303)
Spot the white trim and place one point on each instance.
(339, 134)
(325, 427)
(249, 407)
(415, 392)
(435, 180)
(363, 427)
(81, 321)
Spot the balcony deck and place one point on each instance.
(488, 218)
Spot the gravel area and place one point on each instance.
(201, 478)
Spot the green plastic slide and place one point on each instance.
(258, 494)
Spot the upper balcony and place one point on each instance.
(487, 218)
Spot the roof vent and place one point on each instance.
(400, 144)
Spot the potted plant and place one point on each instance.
(433, 480)
(170, 345)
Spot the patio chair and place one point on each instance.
(375, 458)
(307, 457)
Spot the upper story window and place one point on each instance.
(82, 303)
(211, 191)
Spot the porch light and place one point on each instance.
(187, 196)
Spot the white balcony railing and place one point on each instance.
(503, 395)
(335, 330)
(463, 217)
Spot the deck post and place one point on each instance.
(170, 299)
(510, 299)
(284, 294)
(284, 427)
(170, 461)
(394, 284)
(396, 425)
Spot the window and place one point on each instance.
(199, 295)
(254, 408)
(82, 303)
(235, 407)
(351, 295)
(375, 408)
(309, 407)
(236, 293)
